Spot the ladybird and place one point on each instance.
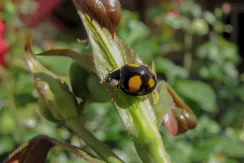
(133, 79)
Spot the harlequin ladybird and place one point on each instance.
(133, 79)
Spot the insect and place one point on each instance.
(133, 79)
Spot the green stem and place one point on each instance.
(9, 85)
(148, 141)
(188, 54)
(76, 151)
(101, 149)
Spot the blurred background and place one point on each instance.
(197, 48)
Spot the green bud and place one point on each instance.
(47, 113)
(53, 92)
(97, 90)
(78, 79)
(87, 86)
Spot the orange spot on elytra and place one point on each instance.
(134, 83)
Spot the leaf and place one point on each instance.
(204, 148)
(6, 144)
(147, 54)
(36, 150)
(199, 92)
(84, 60)
(134, 32)
(233, 147)
(56, 65)
(7, 123)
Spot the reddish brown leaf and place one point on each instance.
(35, 151)
(105, 12)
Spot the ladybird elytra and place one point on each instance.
(151, 82)
(133, 79)
(135, 83)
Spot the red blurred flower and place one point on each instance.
(2, 28)
(179, 2)
(3, 44)
(174, 13)
(44, 10)
(3, 50)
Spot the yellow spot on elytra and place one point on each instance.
(134, 65)
(135, 83)
(151, 82)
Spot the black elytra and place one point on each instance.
(134, 79)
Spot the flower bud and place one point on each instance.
(78, 78)
(97, 90)
(53, 92)
(178, 121)
(180, 118)
(47, 113)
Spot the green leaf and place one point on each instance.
(84, 60)
(7, 123)
(233, 147)
(56, 65)
(24, 84)
(199, 92)
(205, 148)
(133, 32)
(6, 144)
(147, 54)
(167, 67)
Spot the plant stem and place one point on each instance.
(101, 149)
(188, 54)
(18, 134)
(75, 150)
(148, 141)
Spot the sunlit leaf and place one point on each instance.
(84, 60)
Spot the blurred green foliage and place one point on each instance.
(205, 76)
